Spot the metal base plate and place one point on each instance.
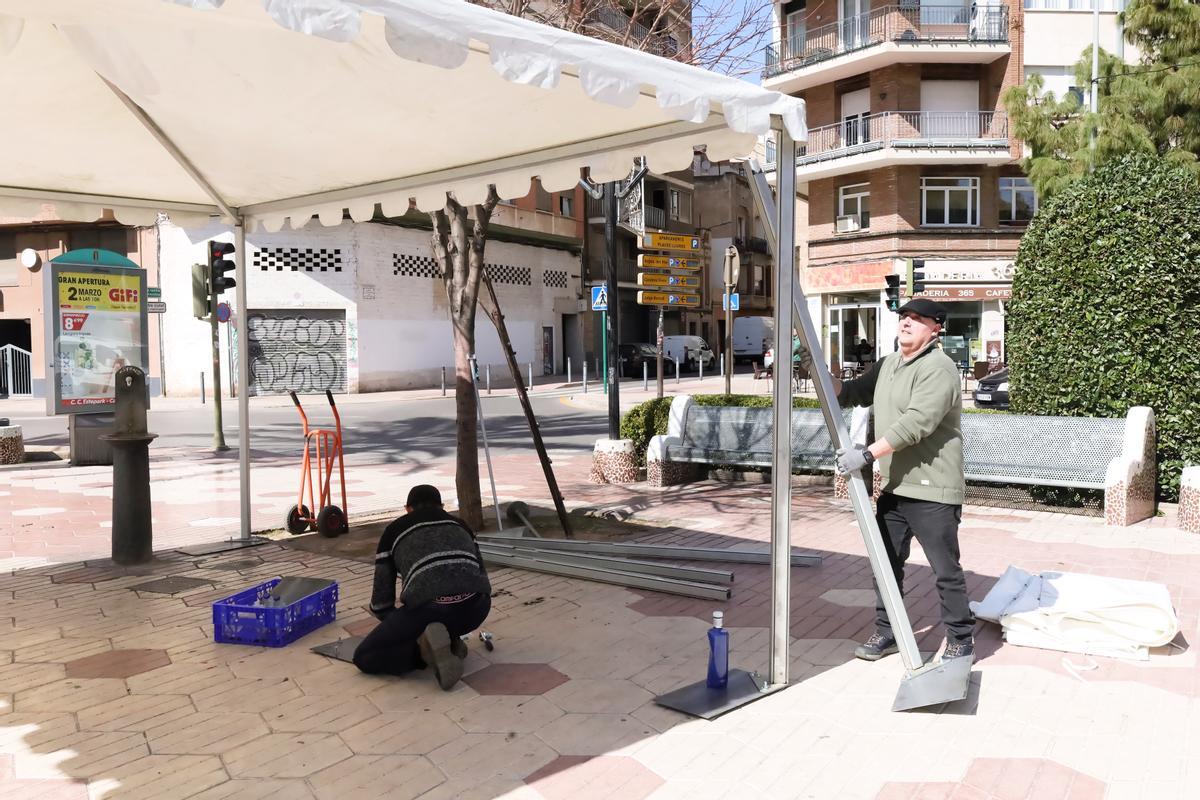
(935, 684)
(222, 547)
(342, 649)
(698, 700)
(172, 585)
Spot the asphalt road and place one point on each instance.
(384, 431)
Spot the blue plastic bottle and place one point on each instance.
(718, 653)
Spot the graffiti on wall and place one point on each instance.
(297, 350)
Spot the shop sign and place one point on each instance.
(951, 271)
(955, 293)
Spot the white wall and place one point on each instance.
(397, 328)
(1058, 38)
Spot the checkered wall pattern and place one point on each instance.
(555, 278)
(298, 258)
(414, 266)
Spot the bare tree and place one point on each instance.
(458, 244)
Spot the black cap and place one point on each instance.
(424, 495)
(926, 308)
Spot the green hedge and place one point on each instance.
(650, 418)
(1105, 312)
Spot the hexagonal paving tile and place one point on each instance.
(71, 694)
(286, 755)
(418, 693)
(1007, 777)
(599, 696)
(515, 679)
(339, 679)
(179, 678)
(391, 776)
(205, 733)
(160, 776)
(573, 777)
(595, 734)
(60, 651)
(320, 713)
(135, 712)
(401, 734)
(257, 789)
(15, 677)
(504, 714)
(482, 757)
(246, 694)
(117, 664)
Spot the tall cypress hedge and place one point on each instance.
(1105, 312)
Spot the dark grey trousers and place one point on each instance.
(936, 527)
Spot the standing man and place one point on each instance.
(918, 408)
(446, 592)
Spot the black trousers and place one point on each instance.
(391, 648)
(936, 527)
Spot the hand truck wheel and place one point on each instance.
(331, 522)
(297, 520)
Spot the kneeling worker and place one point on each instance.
(445, 594)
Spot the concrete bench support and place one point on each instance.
(1130, 480)
(613, 462)
(1189, 500)
(12, 445)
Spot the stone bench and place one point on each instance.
(1115, 455)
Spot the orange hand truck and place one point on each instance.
(322, 447)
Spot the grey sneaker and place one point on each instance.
(436, 652)
(958, 650)
(876, 647)
(458, 646)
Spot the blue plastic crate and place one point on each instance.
(238, 620)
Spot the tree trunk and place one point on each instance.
(458, 249)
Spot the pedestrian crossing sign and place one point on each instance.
(599, 298)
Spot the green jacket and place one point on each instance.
(918, 410)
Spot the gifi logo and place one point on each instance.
(123, 295)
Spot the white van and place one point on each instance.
(689, 351)
(752, 337)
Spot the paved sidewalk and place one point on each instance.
(108, 690)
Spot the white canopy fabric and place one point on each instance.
(294, 108)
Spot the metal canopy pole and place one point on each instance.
(243, 388)
(781, 469)
(923, 685)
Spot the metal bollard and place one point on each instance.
(203, 393)
(443, 381)
(722, 365)
(530, 384)
(700, 361)
(585, 376)
(132, 531)
(487, 370)
(676, 360)
(568, 370)
(645, 377)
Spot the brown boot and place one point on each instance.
(436, 652)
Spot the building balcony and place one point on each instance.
(623, 30)
(958, 34)
(904, 137)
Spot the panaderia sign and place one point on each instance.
(956, 293)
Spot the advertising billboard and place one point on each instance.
(96, 324)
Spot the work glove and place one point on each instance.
(854, 459)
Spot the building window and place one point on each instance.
(949, 201)
(566, 205)
(854, 208)
(1018, 201)
(675, 203)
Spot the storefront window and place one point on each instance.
(960, 340)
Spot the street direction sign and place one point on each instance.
(156, 307)
(652, 279)
(599, 298)
(647, 261)
(667, 299)
(153, 292)
(736, 304)
(671, 241)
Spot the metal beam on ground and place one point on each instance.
(731, 556)
(633, 580)
(701, 574)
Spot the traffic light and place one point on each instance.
(893, 292)
(916, 276)
(200, 291)
(218, 266)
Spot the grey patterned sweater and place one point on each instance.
(433, 553)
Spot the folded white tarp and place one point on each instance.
(1080, 613)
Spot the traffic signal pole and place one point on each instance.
(218, 422)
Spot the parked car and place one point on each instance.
(992, 390)
(689, 351)
(632, 357)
